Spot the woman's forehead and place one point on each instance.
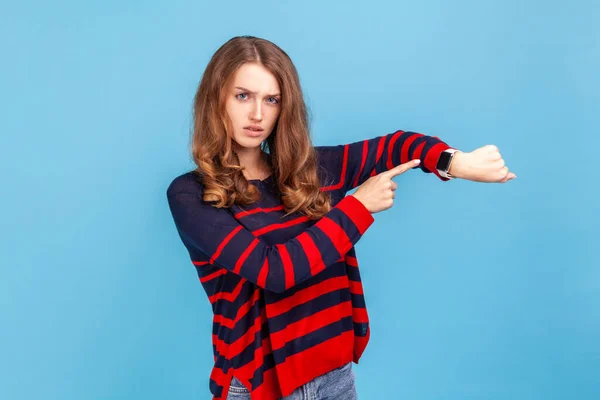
(256, 79)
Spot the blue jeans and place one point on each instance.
(337, 384)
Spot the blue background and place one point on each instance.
(475, 291)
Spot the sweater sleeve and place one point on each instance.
(278, 267)
(354, 163)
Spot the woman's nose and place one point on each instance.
(256, 113)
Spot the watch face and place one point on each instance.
(444, 161)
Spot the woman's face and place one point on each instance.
(253, 104)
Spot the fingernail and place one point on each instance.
(417, 161)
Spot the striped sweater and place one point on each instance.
(286, 292)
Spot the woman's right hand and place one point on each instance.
(377, 192)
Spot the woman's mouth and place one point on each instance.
(253, 132)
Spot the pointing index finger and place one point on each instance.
(402, 168)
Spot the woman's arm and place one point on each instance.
(217, 234)
(358, 161)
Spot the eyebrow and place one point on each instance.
(249, 91)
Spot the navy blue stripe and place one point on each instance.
(360, 328)
(312, 339)
(304, 310)
(371, 161)
(215, 389)
(358, 300)
(353, 273)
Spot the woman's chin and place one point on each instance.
(248, 142)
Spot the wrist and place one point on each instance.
(456, 164)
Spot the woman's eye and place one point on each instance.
(244, 96)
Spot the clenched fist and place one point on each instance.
(377, 192)
(482, 165)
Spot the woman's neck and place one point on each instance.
(255, 163)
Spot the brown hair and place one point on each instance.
(292, 155)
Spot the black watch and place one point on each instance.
(443, 164)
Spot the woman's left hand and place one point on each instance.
(482, 165)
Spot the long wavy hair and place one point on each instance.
(292, 156)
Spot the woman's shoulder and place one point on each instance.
(188, 182)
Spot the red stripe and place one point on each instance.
(213, 275)
(360, 315)
(390, 153)
(313, 253)
(365, 152)
(262, 275)
(355, 287)
(282, 225)
(310, 324)
(404, 156)
(200, 263)
(351, 261)
(269, 390)
(242, 214)
(338, 236)
(343, 174)
(433, 155)
(244, 256)
(419, 150)
(224, 243)
(288, 267)
(305, 295)
(229, 296)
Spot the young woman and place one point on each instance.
(271, 232)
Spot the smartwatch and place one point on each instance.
(443, 164)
